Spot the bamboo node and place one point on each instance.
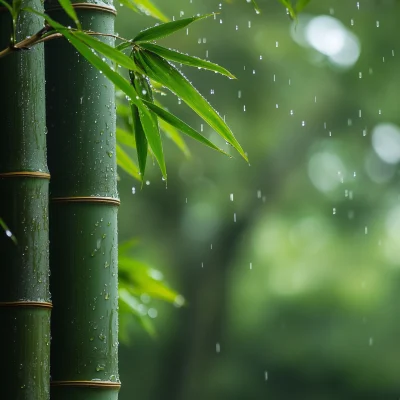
(86, 199)
(34, 304)
(25, 174)
(88, 384)
(90, 6)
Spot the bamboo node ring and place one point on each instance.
(25, 174)
(89, 6)
(88, 384)
(86, 199)
(33, 304)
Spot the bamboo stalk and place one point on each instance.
(24, 287)
(83, 209)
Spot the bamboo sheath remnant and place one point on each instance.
(87, 199)
(92, 384)
(34, 304)
(88, 6)
(83, 210)
(25, 174)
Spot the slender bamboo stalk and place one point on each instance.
(24, 287)
(83, 213)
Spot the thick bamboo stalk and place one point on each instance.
(83, 213)
(24, 287)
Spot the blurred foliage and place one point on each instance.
(292, 287)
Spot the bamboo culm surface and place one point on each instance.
(24, 287)
(83, 213)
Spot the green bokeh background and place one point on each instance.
(299, 298)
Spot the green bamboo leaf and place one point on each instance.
(132, 304)
(144, 279)
(180, 125)
(162, 30)
(176, 56)
(130, 4)
(141, 141)
(289, 7)
(149, 8)
(161, 71)
(69, 9)
(108, 51)
(145, 128)
(144, 90)
(126, 138)
(16, 5)
(256, 7)
(126, 163)
(7, 231)
(175, 136)
(301, 4)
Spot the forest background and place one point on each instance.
(289, 266)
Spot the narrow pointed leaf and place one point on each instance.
(289, 7)
(256, 7)
(162, 30)
(161, 71)
(130, 4)
(180, 125)
(132, 304)
(146, 129)
(149, 8)
(175, 136)
(301, 4)
(176, 56)
(108, 51)
(141, 141)
(126, 138)
(126, 163)
(69, 9)
(7, 231)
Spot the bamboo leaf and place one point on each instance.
(149, 8)
(130, 4)
(289, 7)
(175, 136)
(163, 30)
(146, 129)
(133, 305)
(108, 51)
(141, 141)
(126, 163)
(256, 7)
(7, 231)
(143, 279)
(176, 56)
(16, 5)
(69, 9)
(180, 125)
(301, 4)
(126, 138)
(143, 88)
(161, 71)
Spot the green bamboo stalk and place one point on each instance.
(24, 288)
(83, 213)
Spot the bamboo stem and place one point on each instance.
(24, 288)
(84, 204)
